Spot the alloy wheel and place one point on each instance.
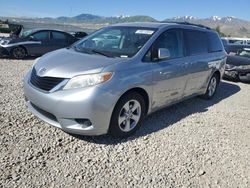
(129, 115)
(19, 53)
(212, 86)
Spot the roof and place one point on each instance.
(162, 24)
(236, 38)
(145, 24)
(44, 29)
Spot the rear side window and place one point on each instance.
(43, 35)
(196, 42)
(214, 43)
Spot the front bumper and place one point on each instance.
(237, 73)
(62, 108)
(3, 51)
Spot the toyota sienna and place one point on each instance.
(109, 81)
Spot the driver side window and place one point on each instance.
(42, 36)
(171, 40)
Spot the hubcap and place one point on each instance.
(129, 115)
(212, 86)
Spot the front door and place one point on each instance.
(41, 43)
(169, 75)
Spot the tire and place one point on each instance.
(128, 115)
(18, 52)
(212, 87)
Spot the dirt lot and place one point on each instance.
(196, 143)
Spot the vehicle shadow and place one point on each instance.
(168, 116)
(26, 58)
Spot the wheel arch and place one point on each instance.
(218, 73)
(140, 91)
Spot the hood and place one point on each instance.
(11, 41)
(16, 40)
(67, 63)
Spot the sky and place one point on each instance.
(158, 9)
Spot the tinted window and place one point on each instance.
(196, 42)
(171, 40)
(214, 43)
(58, 36)
(44, 35)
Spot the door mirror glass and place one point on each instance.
(163, 53)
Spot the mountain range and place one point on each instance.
(229, 25)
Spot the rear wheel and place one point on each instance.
(128, 115)
(212, 87)
(18, 52)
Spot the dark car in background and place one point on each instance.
(35, 42)
(233, 44)
(238, 65)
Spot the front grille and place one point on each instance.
(44, 83)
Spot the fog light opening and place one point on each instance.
(84, 122)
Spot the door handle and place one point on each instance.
(164, 73)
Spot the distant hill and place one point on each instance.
(89, 18)
(229, 25)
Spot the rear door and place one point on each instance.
(59, 40)
(198, 58)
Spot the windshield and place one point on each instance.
(25, 33)
(116, 41)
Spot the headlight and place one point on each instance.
(87, 80)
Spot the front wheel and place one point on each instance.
(18, 52)
(212, 87)
(128, 115)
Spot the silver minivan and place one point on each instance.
(109, 81)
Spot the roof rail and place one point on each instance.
(188, 23)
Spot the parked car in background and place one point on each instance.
(233, 44)
(8, 27)
(35, 42)
(94, 89)
(238, 65)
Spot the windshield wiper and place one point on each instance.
(92, 51)
(100, 52)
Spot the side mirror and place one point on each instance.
(31, 38)
(163, 53)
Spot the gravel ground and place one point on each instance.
(196, 143)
